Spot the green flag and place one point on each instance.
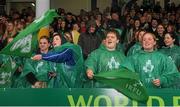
(25, 42)
(126, 82)
(7, 68)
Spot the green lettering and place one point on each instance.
(80, 102)
(120, 101)
(106, 98)
(176, 100)
(161, 101)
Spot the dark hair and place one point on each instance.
(56, 34)
(115, 31)
(68, 38)
(171, 25)
(138, 32)
(45, 37)
(173, 36)
(42, 37)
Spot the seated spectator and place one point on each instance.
(67, 62)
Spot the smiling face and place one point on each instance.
(56, 41)
(160, 29)
(168, 40)
(111, 41)
(148, 42)
(44, 45)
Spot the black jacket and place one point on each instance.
(88, 43)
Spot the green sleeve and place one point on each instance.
(28, 67)
(92, 62)
(170, 73)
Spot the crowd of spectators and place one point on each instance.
(88, 29)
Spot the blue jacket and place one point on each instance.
(64, 56)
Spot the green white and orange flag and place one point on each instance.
(26, 41)
(126, 82)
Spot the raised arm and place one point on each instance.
(64, 56)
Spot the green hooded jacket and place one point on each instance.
(134, 49)
(153, 65)
(173, 53)
(103, 60)
(69, 76)
(40, 69)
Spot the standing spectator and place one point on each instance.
(20, 25)
(172, 50)
(61, 29)
(69, 21)
(161, 73)
(75, 33)
(136, 26)
(172, 18)
(153, 26)
(144, 24)
(36, 72)
(10, 32)
(115, 21)
(68, 37)
(82, 27)
(104, 59)
(29, 19)
(67, 63)
(160, 36)
(89, 41)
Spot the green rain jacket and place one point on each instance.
(153, 65)
(103, 60)
(173, 53)
(69, 76)
(134, 49)
(40, 69)
(16, 77)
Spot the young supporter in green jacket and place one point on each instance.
(104, 59)
(171, 49)
(154, 68)
(67, 62)
(36, 73)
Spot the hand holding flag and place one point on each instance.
(126, 82)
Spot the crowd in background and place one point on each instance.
(88, 29)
